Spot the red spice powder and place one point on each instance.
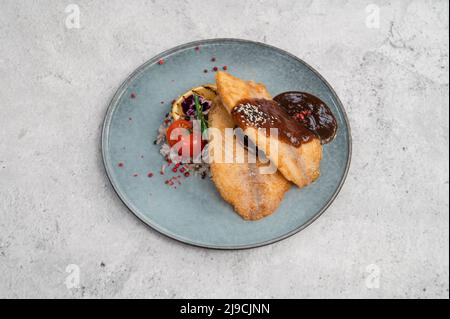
(161, 62)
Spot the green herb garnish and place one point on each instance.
(200, 116)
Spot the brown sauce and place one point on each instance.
(310, 112)
(267, 114)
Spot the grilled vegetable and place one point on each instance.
(184, 106)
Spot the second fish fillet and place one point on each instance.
(300, 165)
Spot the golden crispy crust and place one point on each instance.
(253, 195)
(300, 165)
(232, 89)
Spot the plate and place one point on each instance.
(194, 212)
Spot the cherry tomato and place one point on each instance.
(182, 124)
(189, 141)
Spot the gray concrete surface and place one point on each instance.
(387, 235)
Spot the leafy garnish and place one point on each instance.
(199, 112)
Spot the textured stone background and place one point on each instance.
(57, 207)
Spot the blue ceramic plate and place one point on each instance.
(194, 212)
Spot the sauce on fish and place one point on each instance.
(311, 112)
(267, 114)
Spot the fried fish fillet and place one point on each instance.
(300, 165)
(252, 194)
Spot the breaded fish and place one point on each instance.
(252, 194)
(300, 165)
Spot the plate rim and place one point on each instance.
(121, 90)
